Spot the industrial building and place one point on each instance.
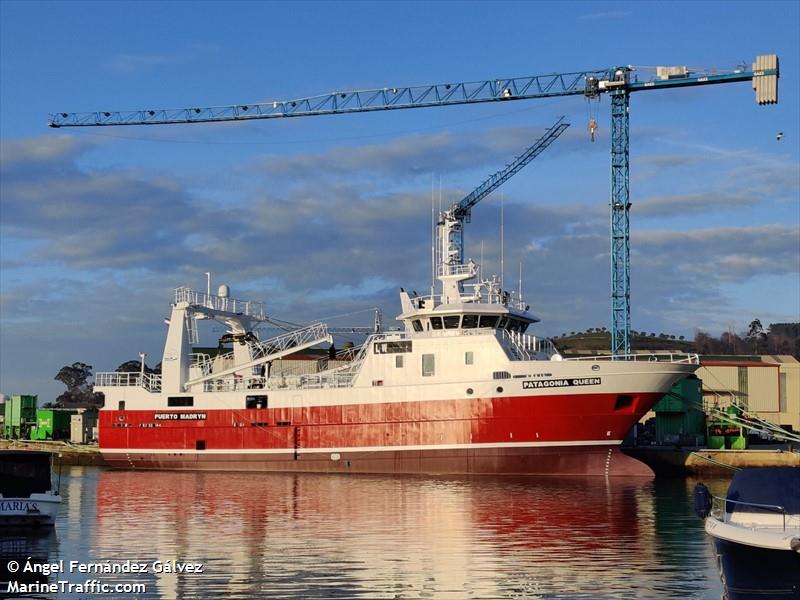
(766, 386)
(759, 387)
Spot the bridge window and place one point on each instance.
(502, 323)
(452, 321)
(514, 325)
(428, 365)
(436, 322)
(488, 321)
(417, 325)
(469, 321)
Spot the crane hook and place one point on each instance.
(592, 128)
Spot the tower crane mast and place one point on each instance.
(618, 82)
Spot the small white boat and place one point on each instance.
(28, 496)
(756, 533)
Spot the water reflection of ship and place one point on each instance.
(289, 534)
(36, 546)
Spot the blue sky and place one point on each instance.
(329, 215)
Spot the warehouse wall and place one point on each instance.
(769, 388)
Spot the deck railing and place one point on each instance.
(720, 512)
(528, 347)
(149, 381)
(330, 379)
(673, 357)
(220, 303)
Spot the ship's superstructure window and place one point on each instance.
(452, 321)
(398, 361)
(488, 321)
(392, 347)
(469, 322)
(255, 402)
(121, 405)
(469, 358)
(417, 325)
(428, 365)
(502, 323)
(436, 322)
(180, 401)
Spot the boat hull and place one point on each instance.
(524, 460)
(569, 434)
(751, 573)
(39, 510)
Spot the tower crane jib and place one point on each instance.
(618, 82)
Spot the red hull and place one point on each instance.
(565, 434)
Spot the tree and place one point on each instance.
(74, 376)
(133, 366)
(756, 336)
(79, 390)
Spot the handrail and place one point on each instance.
(149, 381)
(527, 347)
(673, 357)
(716, 509)
(220, 303)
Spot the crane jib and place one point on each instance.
(615, 81)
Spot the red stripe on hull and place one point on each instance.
(562, 460)
(597, 418)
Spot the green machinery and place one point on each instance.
(726, 433)
(52, 424)
(20, 416)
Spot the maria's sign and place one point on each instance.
(18, 506)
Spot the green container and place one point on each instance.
(736, 442)
(20, 416)
(52, 424)
(716, 442)
(679, 418)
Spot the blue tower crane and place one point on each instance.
(618, 82)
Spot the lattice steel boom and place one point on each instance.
(615, 81)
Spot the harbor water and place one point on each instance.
(335, 536)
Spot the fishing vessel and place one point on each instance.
(462, 387)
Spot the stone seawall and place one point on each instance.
(69, 454)
(702, 461)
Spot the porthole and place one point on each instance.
(469, 391)
(499, 389)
